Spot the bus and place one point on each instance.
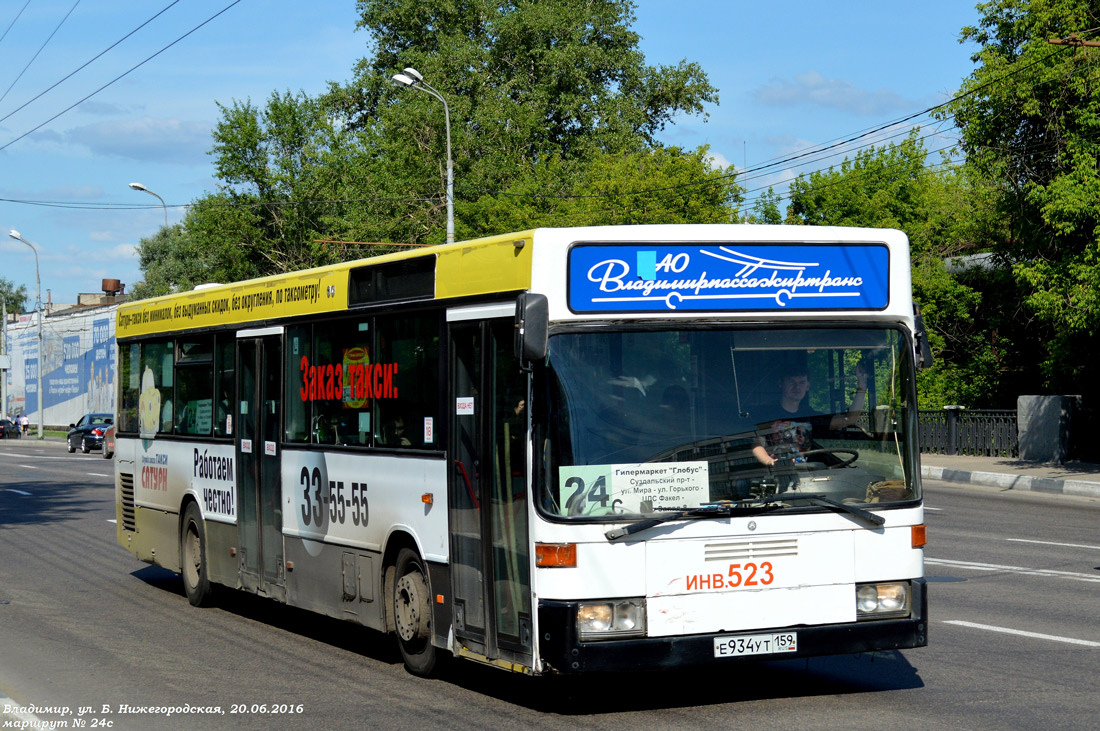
(558, 451)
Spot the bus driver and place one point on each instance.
(792, 432)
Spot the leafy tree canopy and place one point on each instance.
(1030, 120)
(554, 115)
(15, 298)
(942, 212)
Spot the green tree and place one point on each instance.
(214, 243)
(14, 297)
(286, 166)
(1029, 116)
(765, 209)
(657, 185)
(945, 213)
(554, 116)
(536, 91)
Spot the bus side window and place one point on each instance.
(408, 345)
(296, 404)
(225, 354)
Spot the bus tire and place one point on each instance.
(412, 613)
(196, 581)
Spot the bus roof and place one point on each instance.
(462, 269)
(668, 270)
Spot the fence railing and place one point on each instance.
(976, 432)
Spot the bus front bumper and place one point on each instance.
(563, 651)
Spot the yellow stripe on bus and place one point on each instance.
(481, 266)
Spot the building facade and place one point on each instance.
(78, 360)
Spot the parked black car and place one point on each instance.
(9, 429)
(88, 432)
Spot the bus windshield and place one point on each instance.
(638, 422)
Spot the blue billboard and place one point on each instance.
(728, 277)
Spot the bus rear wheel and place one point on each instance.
(196, 582)
(412, 613)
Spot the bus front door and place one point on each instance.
(259, 514)
(488, 496)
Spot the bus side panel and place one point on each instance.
(149, 531)
(222, 566)
(154, 540)
(335, 581)
(358, 500)
(340, 510)
(154, 479)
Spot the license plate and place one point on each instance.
(742, 645)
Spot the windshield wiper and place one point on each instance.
(821, 499)
(713, 510)
(753, 505)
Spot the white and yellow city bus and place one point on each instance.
(556, 451)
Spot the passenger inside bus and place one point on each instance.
(397, 436)
(166, 415)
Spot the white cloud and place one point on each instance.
(717, 161)
(100, 109)
(813, 89)
(122, 251)
(146, 139)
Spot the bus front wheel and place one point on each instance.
(412, 613)
(196, 582)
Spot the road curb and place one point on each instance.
(1029, 483)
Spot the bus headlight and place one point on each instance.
(882, 600)
(613, 619)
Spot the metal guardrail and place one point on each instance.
(975, 432)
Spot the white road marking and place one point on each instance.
(98, 474)
(112, 520)
(934, 510)
(1092, 578)
(1022, 633)
(1048, 543)
(27, 466)
(12, 489)
(28, 719)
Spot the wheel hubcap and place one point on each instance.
(409, 608)
(192, 558)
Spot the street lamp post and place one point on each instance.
(412, 78)
(38, 306)
(143, 189)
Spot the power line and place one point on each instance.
(14, 20)
(85, 64)
(120, 76)
(736, 177)
(48, 39)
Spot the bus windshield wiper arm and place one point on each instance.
(726, 509)
(715, 510)
(821, 499)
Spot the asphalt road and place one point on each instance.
(1014, 637)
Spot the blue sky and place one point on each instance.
(791, 76)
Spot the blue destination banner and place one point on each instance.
(724, 277)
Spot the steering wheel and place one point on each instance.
(834, 452)
(855, 431)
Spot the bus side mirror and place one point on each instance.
(532, 321)
(920, 340)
